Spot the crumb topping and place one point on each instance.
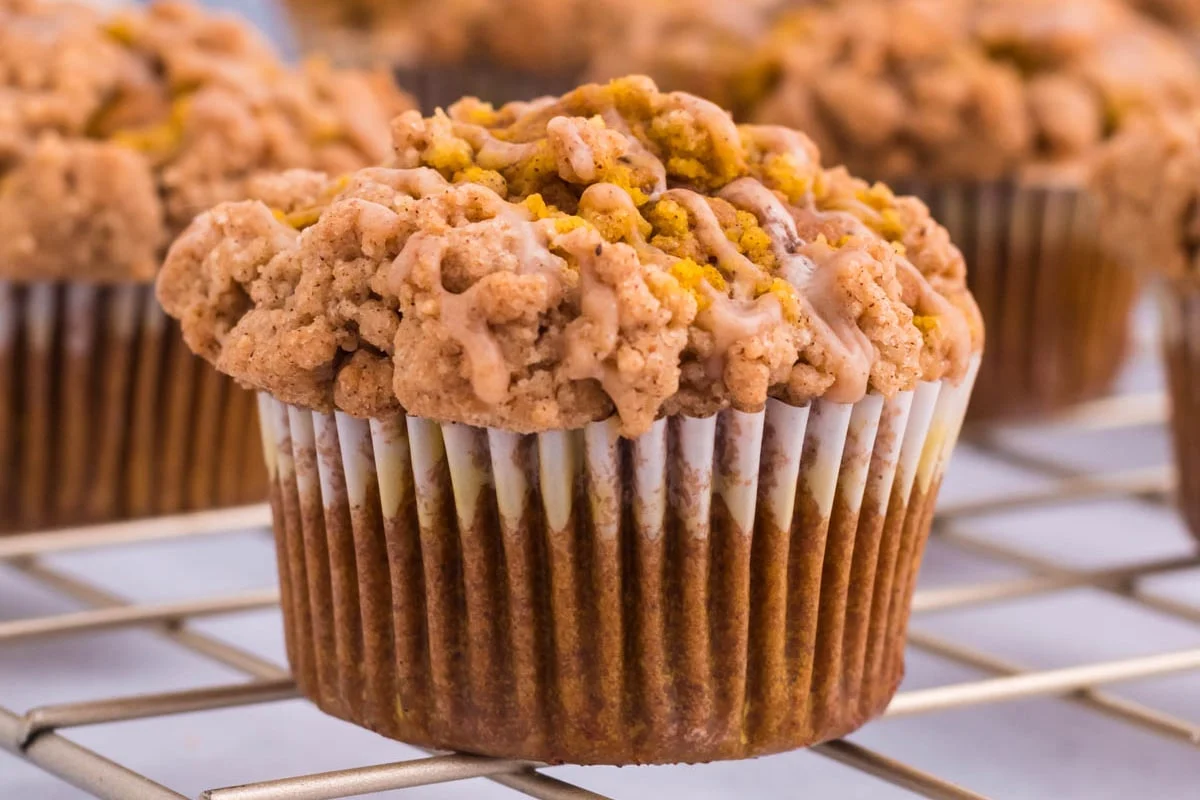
(539, 266)
(963, 88)
(191, 105)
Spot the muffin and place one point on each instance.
(990, 111)
(1148, 181)
(605, 431)
(114, 132)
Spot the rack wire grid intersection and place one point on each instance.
(36, 734)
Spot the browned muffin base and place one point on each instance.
(576, 646)
(106, 415)
(1057, 309)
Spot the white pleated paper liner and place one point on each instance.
(717, 588)
(1179, 301)
(106, 415)
(1057, 309)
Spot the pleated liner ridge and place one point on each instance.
(1180, 304)
(1057, 309)
(106, 415)
(717, 588)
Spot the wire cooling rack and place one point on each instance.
(39, 735)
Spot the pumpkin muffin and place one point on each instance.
(605, 430)
(114, 132)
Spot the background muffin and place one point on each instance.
(990, 111)
(114, 132)
(603, 363)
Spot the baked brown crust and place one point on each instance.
(547, 264)
(116, 131)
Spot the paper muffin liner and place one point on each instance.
(1179, 301)
(1057, 308)
(106, 415)
(717, 588)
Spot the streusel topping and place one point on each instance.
(617, 250)
(964, 88)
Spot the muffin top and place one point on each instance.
(1147, 180)
(964, 89)
(116, 130)
(543, 265)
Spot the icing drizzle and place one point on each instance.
(739, 311)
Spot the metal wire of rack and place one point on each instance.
(37, 734)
